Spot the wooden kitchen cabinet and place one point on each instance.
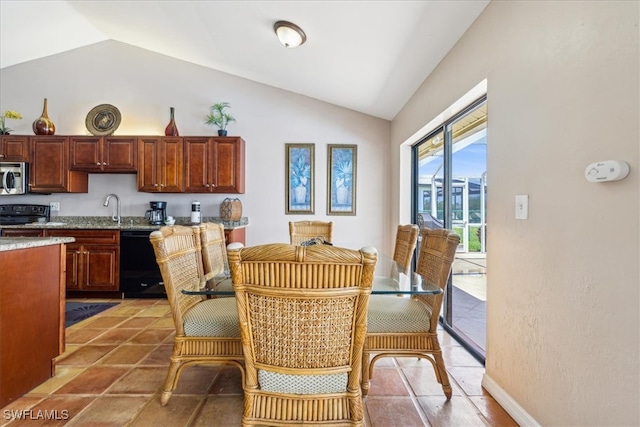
(93, 260)
(21, 232)
(14, 148)
(116, 154)
(49, 172)
(214, 165)
(160, 164)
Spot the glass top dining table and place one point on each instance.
(389, 278)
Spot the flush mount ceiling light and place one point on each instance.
(290, 35)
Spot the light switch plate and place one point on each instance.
(522, 206)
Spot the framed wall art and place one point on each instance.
(299, 184)
(341, 183)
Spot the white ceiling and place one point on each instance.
(368, 56)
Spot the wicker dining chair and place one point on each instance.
(307, 231)
(406, 238)
(207, 330)
(398, 327)
(302, 317)
(214, 256)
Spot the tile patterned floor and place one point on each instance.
(116, 362)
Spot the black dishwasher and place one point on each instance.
(139, 273)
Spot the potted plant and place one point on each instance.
(219, 117)
(4, 130)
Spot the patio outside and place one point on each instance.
(469, 277)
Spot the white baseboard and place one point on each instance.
(512, 407)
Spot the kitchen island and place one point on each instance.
(32, 300)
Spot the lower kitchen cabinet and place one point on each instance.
(21, 232)
(93, 260)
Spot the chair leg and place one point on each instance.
(366, 361)
(170, 382)
(441, 374)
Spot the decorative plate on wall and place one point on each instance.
(103, 120)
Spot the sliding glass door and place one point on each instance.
(450, 191)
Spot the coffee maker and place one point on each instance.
(157, 214)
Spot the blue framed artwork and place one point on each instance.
(341, 183)
(299, 178)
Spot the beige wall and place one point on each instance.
(143, 85)
(563, 286)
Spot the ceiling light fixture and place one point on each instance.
(290, 35)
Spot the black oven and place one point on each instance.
(20, 214)
(139, 272)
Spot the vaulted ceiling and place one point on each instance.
(368, 56)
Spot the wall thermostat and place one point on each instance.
(608, 170)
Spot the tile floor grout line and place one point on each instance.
(143, 407)
(197, 411)
(412, 394)
(479, 413)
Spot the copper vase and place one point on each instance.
(44, 125)
(171, 129)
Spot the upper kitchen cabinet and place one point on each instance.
(214, 165)
(49, 171)
(160, 164)
(14, 148)
(116, 154)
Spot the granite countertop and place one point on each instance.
(127, 223)
(13, 243)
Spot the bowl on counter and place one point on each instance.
(169, 222)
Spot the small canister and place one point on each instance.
(231, 209)
(195, 212)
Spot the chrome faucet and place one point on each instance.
(106, 203)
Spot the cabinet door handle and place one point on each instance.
(1, 156)
(98, 164)
(206, 185)
(104, 163)
(155, 185)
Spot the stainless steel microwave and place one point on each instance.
(14, 178)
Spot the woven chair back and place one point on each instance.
(214, 249)
(437, 252)
(304, 231)
(406, 238)
(302, 309)
(179, 256)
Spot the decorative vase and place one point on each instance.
(300, 194)
(171, 129)
(342, 195)
(222, 132)
(231, 209)
(44, 125)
